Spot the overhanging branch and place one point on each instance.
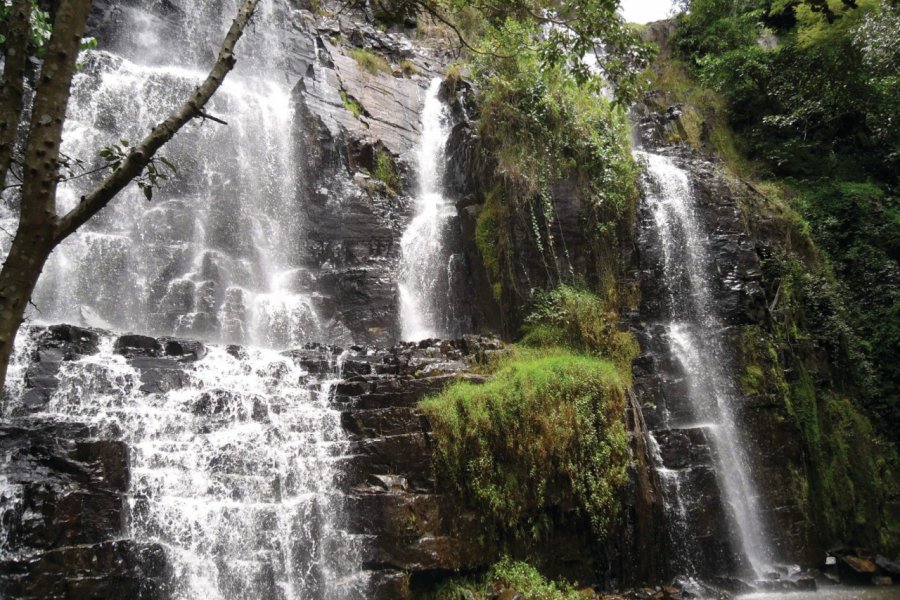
(133, 165)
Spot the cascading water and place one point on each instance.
(235, 471)
(217, 253)
(423, 299)
(694, 334)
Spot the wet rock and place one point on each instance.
(183, 350)
(112, 569)
(886, 565)
(63, 513)
(806, 583)
(133, 346)
(67, 342)
(159, 375)
(236, 351)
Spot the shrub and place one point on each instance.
(408, 67)
(574, 318)
(386, 170)
(511, 575)
(545, 429)
(538, 126)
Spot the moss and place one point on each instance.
(371, 62)
(352, 104)
(549, 424)
(492, 238)
(845, 484)
(753, 380)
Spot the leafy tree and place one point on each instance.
(41, 228)
(570, 31)
(819, 111)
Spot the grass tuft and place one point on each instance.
(371, 62)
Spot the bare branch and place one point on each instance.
(143, 153)
(205, 115)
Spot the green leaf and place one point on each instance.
(168, 163)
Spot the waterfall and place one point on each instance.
(694, 334)
(235, 470)
(217, 253)
(425, 263)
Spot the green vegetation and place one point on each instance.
(352, 104)
(386, 170)
(371, 62)
(547, 429)
(577, 319)
(548, 425)
(804, 96)
(40, 28)
(813, 109)
(511, 575)
(571, 30)
(408, 68)
(819, 100)
(539, 127)
(492, 237)
(846, 484)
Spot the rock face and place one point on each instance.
(65, 502)
(354, 221)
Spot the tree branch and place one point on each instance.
(12, 96)
(143, 153)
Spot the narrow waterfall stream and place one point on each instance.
(423, 299)
(693, 332)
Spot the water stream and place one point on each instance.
(424, 310)
(694, 334)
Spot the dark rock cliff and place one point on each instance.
(67, 528)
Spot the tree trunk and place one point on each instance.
(11, 98)
(34, 239)
(30, 250)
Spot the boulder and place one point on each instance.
(132, 346)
